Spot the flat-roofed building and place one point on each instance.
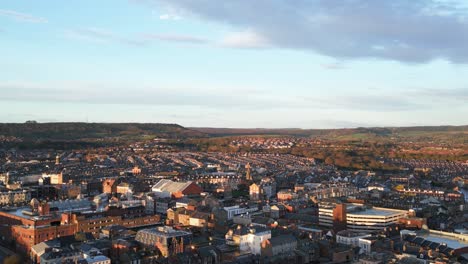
(234, 210)
(27, 226)
(358, 218)
(44, 221)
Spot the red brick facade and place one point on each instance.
(339, 217)
(21, 233)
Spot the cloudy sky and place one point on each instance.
(235, 63)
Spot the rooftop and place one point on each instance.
(449, 241)
(26, 213)
(372, 211)
(283, 239)
(348, 233)
(71, 205)
(170, 186)
(165, 231)
(425, 238)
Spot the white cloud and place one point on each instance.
(228, 106)
(176, 38)
(244, 39)
(22, 16)
(333, 66)
(220, 97)
(407, 31)
(99, 35)
(102, 36)
(170, 17)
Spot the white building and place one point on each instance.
(351, 238)
(360, 218)
(249, 239)
(365, 243)
(255, 239)
(150, 204)
(234, 210)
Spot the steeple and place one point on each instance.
(248, 176)
(7, 178)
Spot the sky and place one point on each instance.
(235, 63)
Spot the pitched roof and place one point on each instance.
(171, 186)
(262, 220)
(40, 248)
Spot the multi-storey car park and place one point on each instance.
(357, 217)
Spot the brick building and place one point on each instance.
(168, 240)
(109, 185)
(22, 228)
(93, 222)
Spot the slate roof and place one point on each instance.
(71, 205)
(283, 239)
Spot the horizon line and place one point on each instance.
(238, 128)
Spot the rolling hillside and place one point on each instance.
(422, 133)
(94, 131)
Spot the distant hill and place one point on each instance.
(32, 131)
(260, 131)
(458, 133)
(65, 133)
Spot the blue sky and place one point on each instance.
(243, 63)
